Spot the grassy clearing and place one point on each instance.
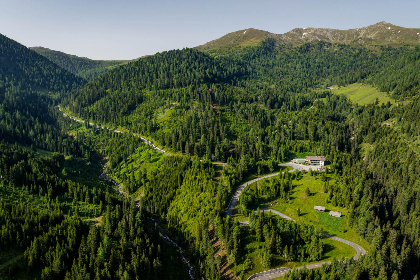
(299, 200)
(362, 94)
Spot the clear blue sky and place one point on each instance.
(127, 29)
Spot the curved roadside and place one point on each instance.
(238, 192)
(278, 272)
(149, 143)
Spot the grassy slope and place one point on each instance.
(331, 225)
(143, 160)
(362, 94)
(242, 38)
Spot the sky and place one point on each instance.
(128, 29)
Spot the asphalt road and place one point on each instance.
(274, 273)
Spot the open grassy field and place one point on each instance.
(362, 94)
(299, 200)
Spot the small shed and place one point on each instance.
(335, 214)
(319, 208)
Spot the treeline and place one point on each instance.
(400, 77)
(255, 113)
(173, 69)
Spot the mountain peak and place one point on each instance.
(242, 38)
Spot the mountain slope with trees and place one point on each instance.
(54, 207)
(81, 66)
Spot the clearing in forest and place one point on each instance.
(322, 220)
(362, 94)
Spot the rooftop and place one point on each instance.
(310, 158)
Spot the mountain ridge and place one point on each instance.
(381, 33)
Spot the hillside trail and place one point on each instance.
(9, 262)
(278, 272)
(148, 142)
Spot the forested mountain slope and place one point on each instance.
(81, 66)
(29, 84)
(58, 215)
(19, 66)
(217, 105)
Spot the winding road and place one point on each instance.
(149, 143)
(278, 272)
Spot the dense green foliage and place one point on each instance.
(259, 192)
(219, 106)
